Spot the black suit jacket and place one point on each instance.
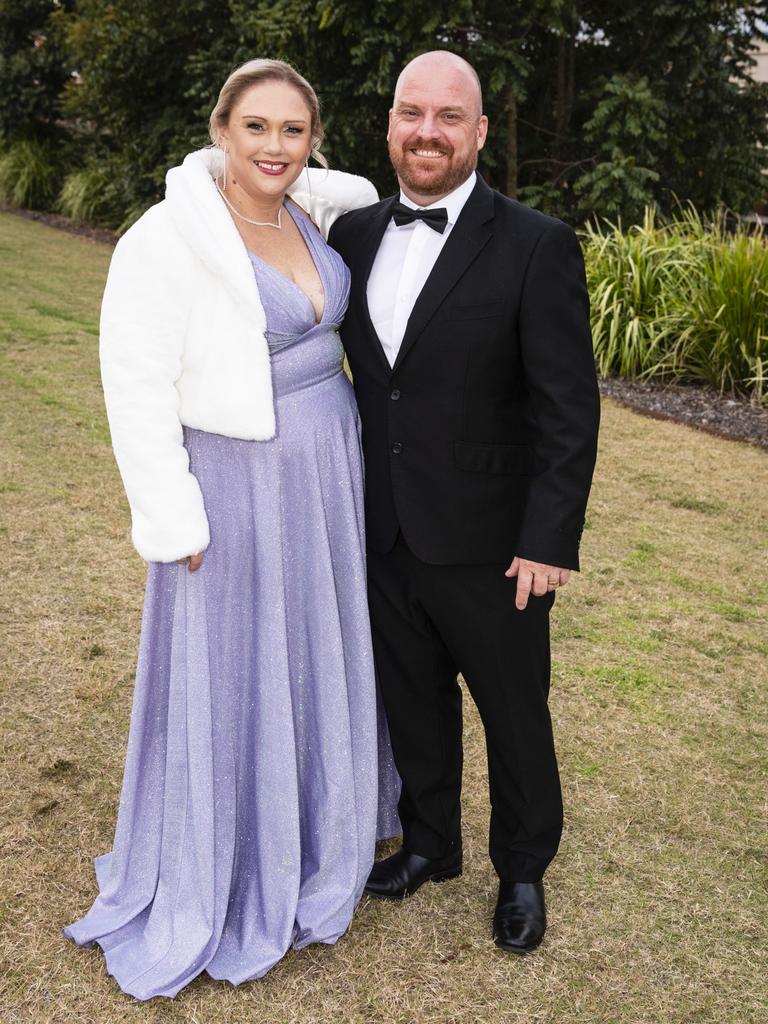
(480, 442)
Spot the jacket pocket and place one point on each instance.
(513, 459)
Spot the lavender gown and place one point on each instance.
(258, 772)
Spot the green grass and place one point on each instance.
(658, 905)
(707, 508)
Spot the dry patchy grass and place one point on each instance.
(658, 898)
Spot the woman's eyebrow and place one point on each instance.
(260, 117)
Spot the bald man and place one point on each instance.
(468, 338)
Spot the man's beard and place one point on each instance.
(453, 174)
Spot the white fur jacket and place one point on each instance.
(183, 343)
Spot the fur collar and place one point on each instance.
(202, 220)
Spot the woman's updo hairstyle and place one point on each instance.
(254, 72)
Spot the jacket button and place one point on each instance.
(396, 448)
(394, 394)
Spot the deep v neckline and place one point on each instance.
(284, 277)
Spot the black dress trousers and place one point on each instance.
(431, 622)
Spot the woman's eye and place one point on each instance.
(255, 126)
(294, 130)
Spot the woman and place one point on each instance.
(251, 799)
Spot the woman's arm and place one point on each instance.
(326, 195)
(143, 321)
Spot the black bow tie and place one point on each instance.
(437, 219)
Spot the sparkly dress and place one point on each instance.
(258, 773)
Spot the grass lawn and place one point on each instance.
(658, 905)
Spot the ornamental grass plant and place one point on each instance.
(30, 174)
(685, 300)
(100, 193)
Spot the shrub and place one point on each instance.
(100, 193)
(680, 301)
(723, 329)
(30, 174)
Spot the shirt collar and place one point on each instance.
(453, 202)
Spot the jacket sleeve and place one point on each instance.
(143, 320)
(326, 195)
(559, 368)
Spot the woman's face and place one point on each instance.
(268, 139)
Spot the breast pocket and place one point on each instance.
(471, 311)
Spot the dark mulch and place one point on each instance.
(735, 418)
(53, 220)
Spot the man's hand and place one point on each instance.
(535, 577)
(193, 562)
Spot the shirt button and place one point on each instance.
(396, 448)
(394, 394)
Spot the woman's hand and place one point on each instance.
(193, 562)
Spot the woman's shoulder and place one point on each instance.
(152, 241)
(152, 226)
(326, 195)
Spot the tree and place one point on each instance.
(133, 103)
(627, 131)
(352, 51)
(33, 68)
(594, 107)
(694, 57)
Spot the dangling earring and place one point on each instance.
(309, 176)
(224, 189)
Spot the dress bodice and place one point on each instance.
(303, 352)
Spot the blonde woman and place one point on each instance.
(258, 772)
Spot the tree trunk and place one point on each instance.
(566, 61)
(511, 105)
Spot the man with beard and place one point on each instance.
(468, 338)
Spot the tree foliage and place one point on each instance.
(595, 107)
(696, 59)
(33, 68)
(627, 134)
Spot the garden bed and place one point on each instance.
(705, 409)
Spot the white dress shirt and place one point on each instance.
(402, 265)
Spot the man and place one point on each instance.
(468, 339)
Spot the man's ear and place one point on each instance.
(389, 125)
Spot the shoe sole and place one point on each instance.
(439, 876)
(518, 950)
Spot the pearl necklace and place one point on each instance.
(256, 223)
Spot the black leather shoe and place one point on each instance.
(403, 873)
(520, 919)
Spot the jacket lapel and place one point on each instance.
(468, 236)
(369, 247)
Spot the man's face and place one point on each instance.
(435, 130)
